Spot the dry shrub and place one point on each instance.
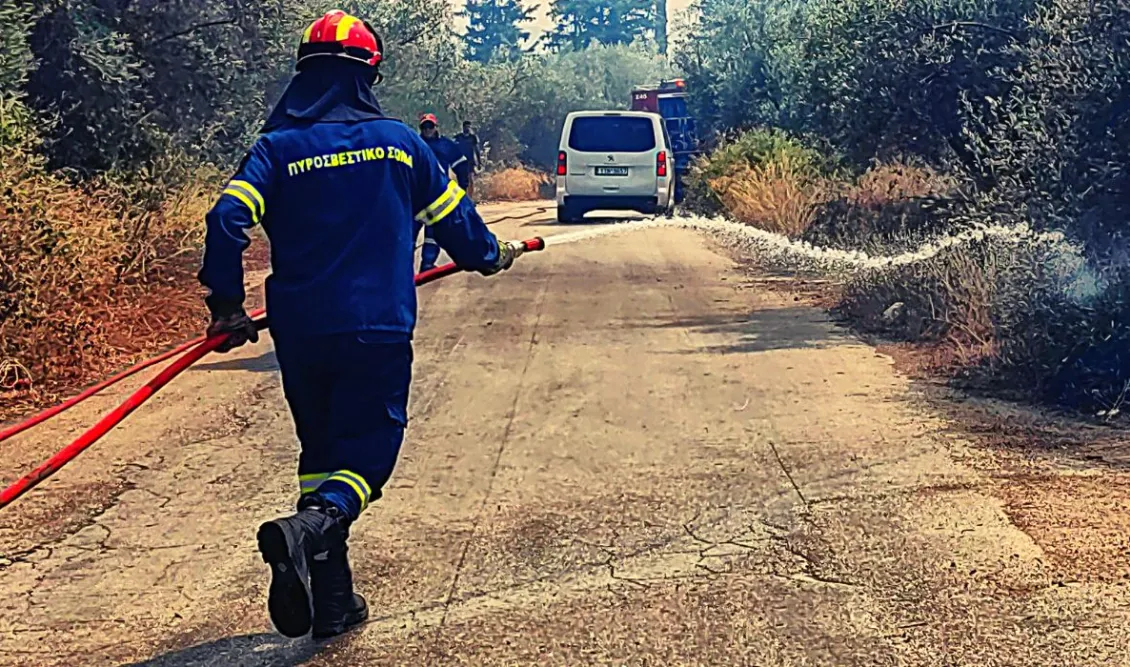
(759, 157)
(1025, 317)
(90, 277)
(776, 196)
(884, 184)
(949, 298)
(891, 207)
(1017, 314)
(511, 184)
(1068, 351)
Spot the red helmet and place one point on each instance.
(340, 35)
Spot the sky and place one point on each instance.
(674, 8)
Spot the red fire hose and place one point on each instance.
(193, 354)
(16, 429)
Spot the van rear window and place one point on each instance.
(612, 134)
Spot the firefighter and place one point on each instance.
(341, 192)
(469, 142)
(450, 158)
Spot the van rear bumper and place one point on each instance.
(647, 205)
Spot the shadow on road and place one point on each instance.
(759, 331)
(610, 219)
(260, 650)
(264, 363)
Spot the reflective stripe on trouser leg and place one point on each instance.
(339, 488)
(349, 397)
(355, 482)
(308, 484)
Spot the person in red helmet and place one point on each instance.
(342, 193)
(450, 158)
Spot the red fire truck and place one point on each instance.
(669, 100)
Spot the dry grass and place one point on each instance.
(90, 277)
(885, 184)
(1014, 315)
(776, 196)
(511, 184)
(954, 299)
(1004, 315)
(890, 208)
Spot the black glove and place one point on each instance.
(239, 327)
(506, 254)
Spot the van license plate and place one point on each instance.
(611, 171)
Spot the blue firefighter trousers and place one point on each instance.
(348, 394)
(429, 254)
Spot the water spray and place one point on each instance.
(1066, 258)
(767, 246)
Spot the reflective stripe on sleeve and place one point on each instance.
(238, 194)
(443, 206)
(250, 191)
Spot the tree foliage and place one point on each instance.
(119, 86)
(661, 26)
(494, 29)
(1026, 99)
(127, 80)
(15, 62)
(509, 101)
(1024, 103)
(580, 23)
(15, 56)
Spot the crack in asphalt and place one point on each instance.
(90, 519)
(944, 487)
(614, 562)
(498, 457)
(788, 473)
(810, 571)
(164, 500)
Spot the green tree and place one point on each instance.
(15, 62)
(519, 106)
(876, 78)
(130, 81)
(494, 28)
(580, 23)
(15, 57)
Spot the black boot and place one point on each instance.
(337, 608)
(289, 546)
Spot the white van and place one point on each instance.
(614, 160)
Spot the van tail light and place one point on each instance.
(562, 164)
(660, 164)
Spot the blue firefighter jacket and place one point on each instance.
(450, 157)
(342, 204)
(449, 154)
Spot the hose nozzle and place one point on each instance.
(532, 245)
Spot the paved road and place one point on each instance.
(623, 452)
